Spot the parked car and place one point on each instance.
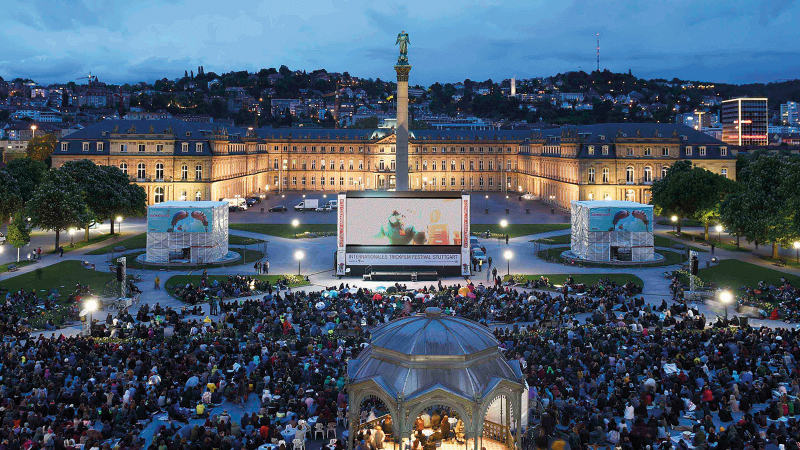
(234, 208)
(278, 208)
(326, 208)
(252, 201)
(479, 256)
(2, 239)
(473, 240)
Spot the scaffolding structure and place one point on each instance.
(612, 231)
(191, 232)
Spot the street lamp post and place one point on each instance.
(295, 224)
(33, 132)
(725, 297)
(674, 220)
(508, 255)
(797, 250)
(72, 237)
(91, 305)
(719, 233)
(298, 255)
(119, 224)
(503, 225)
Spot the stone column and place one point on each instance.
(401, 132)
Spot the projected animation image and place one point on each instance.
(404, 222)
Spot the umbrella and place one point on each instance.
(320, 306)
(463, 291)
(377, 297)
(419, 295)
(192, 382)
(353, 290)
(471, 295)
(380, 289)
(326, 294)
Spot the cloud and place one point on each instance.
(735, 41)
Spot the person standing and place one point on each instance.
(266, 267)
(506, 239)
(256, 266)
(490, 263)
(60, 252)
(157, 283)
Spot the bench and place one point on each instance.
(12, 268)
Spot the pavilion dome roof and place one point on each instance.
(414, 355)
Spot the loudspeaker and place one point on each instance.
(743, 321)
(695, 265)
(119, 273)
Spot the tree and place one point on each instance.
(41, 147)
(124, 198)
(689, 192)
(57, 204)
(10, 195)
(28, 174)
(19, 233)
(763, 209)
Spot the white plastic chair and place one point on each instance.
(332, 430)
(298, 444)
(319, 429)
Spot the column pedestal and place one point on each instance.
(401, 132)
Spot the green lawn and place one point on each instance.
(285, 230)
(518, 229)
(733, 274)
(659, 241)
(726, 245)
(589, 279)
(4, 267)
(81, 243)
(790, 262)
(670, 259)
(181, 280)
(61, 276)
(684, 223)
(250, 257)
(140, 241)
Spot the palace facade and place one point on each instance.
(176, 160)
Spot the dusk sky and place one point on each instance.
(737, 41)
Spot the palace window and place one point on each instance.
(605, 150)
(491, 165)
(350, 166)
(629, 174)
(341, 164)
(124, 168)
(688, 151)
(313, 164)
(723, 151)
(665, 151)
(140, 171)
(724, 172)
(294, 181)
(424, 165)
(452, 181)
(184, 147)
(480, 165)
(159, 195)
(198, 196)
(591, 174)
(453, 165)
(141, 148)
(462, 165)
(462, 181)
(629, 151)
(648, 174)
(591, 150)
(702, 151)
(184, 172)
(64, 146)
(100, 146)
(605, 174)
(159, 147)
(159, 171)
(294, 164)
(664, 171)
(303, 180)
(198, 172)
(198, 147)
(471, 165)
(361, 165)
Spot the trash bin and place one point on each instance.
(552, 210)
(506, 210)
(527, 210)
(519, 198)
(708, 264)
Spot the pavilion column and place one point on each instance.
(508, 424)
(352, 420)
(518, 415)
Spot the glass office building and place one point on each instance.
(745, 121)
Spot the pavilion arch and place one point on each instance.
(513, 395)
(429, 360)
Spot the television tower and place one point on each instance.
(598, 52)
